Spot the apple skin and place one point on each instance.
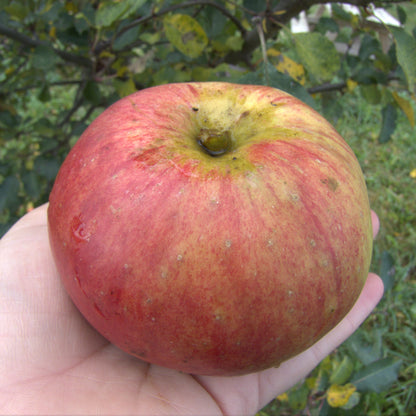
(214, 265)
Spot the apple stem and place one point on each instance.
(215, 143)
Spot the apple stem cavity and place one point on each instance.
(214, 142)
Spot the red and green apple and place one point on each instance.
(212, 228)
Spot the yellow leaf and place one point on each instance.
(311, 382)
(338, 396)
(52, 32)
(125, 88)
(70, 7)
(412, 174)
(283, 397)
(185, 34)
(9, 70)
(406, 107)
(351, 84)
(287, 66)
(106, 54)
(264, 25)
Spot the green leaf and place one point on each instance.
(387, 270)
(371, 93)
(352, 401)
(326, 24)
(369, 46)
(367, 75)
(92, 92)
(406, 55)
(126, 38)
(342, 372)
(32, 185)
(402, 15)
(318, 54)
(389, 114)
(298, 397)
(47, 168)
(44, 94)
(185, 34)
(17, 10)
(9, 189)
(367, 351)
(378, 376)
(111, 11)
(124, 88)
(44, 58)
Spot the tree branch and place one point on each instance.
(33, 43)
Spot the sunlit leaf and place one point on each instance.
(338, 396)
(125, 88)
(318, 54)
(406, 107)
(186, 34)
(110, 11)
(288, 66)
(406, 55)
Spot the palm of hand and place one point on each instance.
(53, 362)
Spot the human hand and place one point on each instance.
(53, 362)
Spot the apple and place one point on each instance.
(212, 228)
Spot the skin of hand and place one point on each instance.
(53, 362)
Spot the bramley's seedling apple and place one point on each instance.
(212, 228)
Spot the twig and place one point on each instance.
(33, 43)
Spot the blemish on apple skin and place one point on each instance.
(179, 257)
(295, 197)
(76, 278)
(98, 310)
(228, 243)
(79, 230)
(331, 183)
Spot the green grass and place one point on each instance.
(391, 189)
(390, 331)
